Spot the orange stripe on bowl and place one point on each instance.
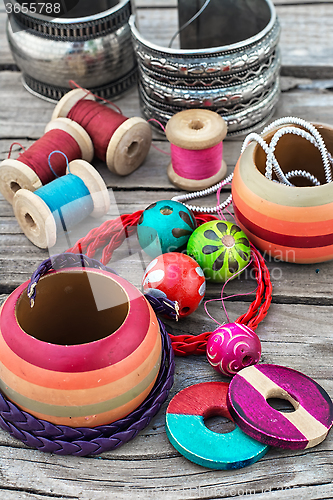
(81, 397)
(95, 420)
(73, 381)
(242, 201)
(288, 240)
(289, 254)
(276, 211)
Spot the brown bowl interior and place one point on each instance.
(73, 308)
(295, 153)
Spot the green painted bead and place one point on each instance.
(165, 226)
(221, 249)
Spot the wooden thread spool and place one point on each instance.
(126, 147)
(37, 220)
(15, 174)
(200, 132)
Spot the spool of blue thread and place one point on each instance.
(61, 204)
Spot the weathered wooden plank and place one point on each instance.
(25, 116)
(19, 257)
(306, 39)
(149, 467)
(297, 334)
(177, 479)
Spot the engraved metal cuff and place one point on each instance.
(215, 94)
(96, 51)
(240, 81)
(243, 119)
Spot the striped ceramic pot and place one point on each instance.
(88, 353)
(288, 223)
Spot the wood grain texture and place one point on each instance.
(152, 467)
(297, 331)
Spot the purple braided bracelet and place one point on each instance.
(83, 441)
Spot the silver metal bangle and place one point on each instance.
(96, 51)
(217, 96)
(239, 81)
(78, 29)
(211, 81)
(243, 119)
(217, 61)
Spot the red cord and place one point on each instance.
(112, 233)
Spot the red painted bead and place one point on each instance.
(179, 278)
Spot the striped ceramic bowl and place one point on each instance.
(289, 223)
(88, 353)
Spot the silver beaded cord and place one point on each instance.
(316, 139)
(206, 192)
(311, 134)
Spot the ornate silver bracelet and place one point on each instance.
(94, 50)
(240, 81)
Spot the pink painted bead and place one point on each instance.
(179, 278)
(232, 347)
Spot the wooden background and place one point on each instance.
(297, 331)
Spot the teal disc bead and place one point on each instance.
(221, 249)
(187, 432)
(165, 226)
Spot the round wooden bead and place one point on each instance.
(307, 426)
(88, 353)
(292, 224)
(165, 226)
(232, 347)
(186, 430)
(177, 277)
(221, 249)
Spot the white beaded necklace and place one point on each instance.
(311, 134)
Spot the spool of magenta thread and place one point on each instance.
(196, 137)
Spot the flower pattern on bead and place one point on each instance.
(222, 244)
